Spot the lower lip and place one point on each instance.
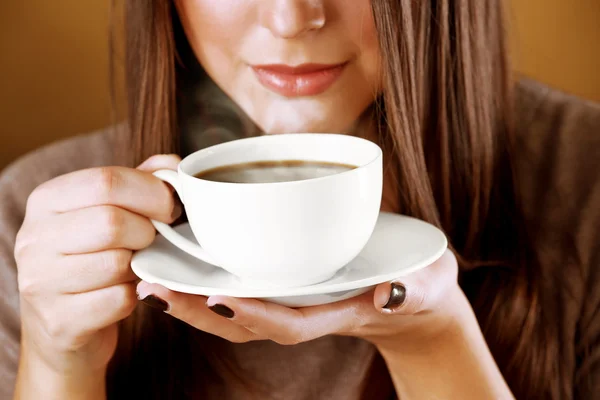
(298, 85)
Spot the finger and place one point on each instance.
(289, 326)
(160, 161)
(86, 313)
(420, 291)
(101, 308)
(134, 190)
(93, 271)
(95, 229)
(163, 161)
(193, 310)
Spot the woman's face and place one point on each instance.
(292, 65)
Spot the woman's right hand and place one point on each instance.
(73, 255)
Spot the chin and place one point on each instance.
(308, 129)
(273, 114)
(309, 124)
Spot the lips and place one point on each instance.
(298, 81)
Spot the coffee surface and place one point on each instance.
(272, 171)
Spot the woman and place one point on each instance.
(508, 170)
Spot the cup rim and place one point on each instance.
(188, 158)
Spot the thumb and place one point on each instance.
(160, 161)
(420, 291)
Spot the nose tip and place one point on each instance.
(289, 19)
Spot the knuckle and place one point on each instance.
(124, 299)
(148, 234)
(106, 180)
(250, 325)
(115, 263)
(28, 285)
(255, 323)
(71, 341)
(166, 201)
(239, 338)
(286, 340)
(291, 337)
(23, 242)
(63, 338)
(169, 202)
(111, 223)
(55, 328)
(37, 197)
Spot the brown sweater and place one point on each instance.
(558, 165)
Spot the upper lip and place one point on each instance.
(296, 69)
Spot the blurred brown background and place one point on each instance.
(54, 62)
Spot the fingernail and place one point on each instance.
(177, 210)
(222, 310)
(397, 296)
(155, 302)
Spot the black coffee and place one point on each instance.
(272, 171)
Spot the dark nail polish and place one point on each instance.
(222, 310)
(155, 302)
(397, 296)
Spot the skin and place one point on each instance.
(228, 36)
(431, 342)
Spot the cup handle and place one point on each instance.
(168, 232)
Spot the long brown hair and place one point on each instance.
(446, 124)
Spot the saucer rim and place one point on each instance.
(315, 289)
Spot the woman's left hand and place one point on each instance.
(415, 308)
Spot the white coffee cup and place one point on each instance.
(286, 233)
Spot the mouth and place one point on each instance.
(298, 81)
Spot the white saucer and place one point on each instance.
(399, 246)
